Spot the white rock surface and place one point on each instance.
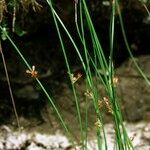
(11, 140)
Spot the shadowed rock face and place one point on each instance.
(41, 47)
(133, 90)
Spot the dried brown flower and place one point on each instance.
(107, 104)
(32, 72)
(75, 78)
(98, 123)
(88, 94)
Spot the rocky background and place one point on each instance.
(36, 36)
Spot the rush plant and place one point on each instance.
(96, 67)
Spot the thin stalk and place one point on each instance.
(10, 89)
(111, 89)
(90, 74)
(99, 139)
(42, 87)
(83, 64)
(127, 45)
(15, 47)
(146, 8)
(70, 37)
(94, 38)
(69, 71)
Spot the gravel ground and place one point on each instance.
(14, 140)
